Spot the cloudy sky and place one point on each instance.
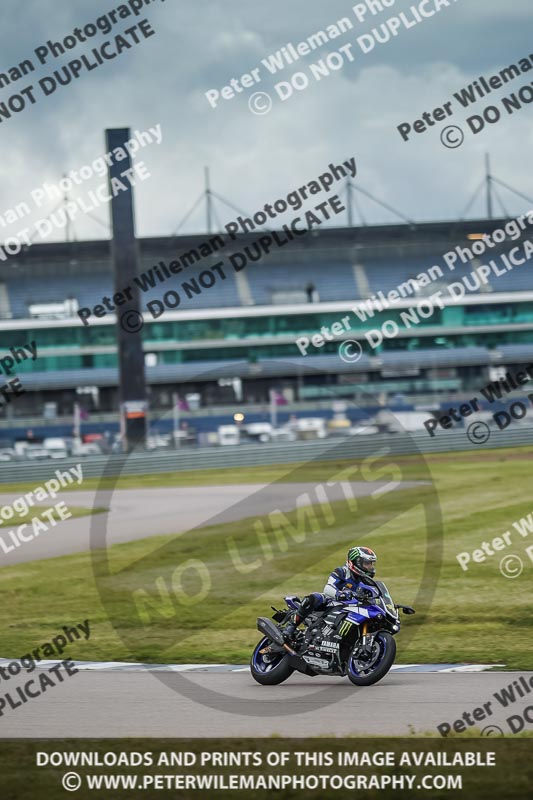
(255, 159)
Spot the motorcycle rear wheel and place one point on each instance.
(269, 673)
(387, 646)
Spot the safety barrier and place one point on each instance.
(355, 447)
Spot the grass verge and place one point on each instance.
(142, 609)
(310, 471)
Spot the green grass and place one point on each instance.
(474, 616)
(310, 471)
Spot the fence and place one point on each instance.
(355, 447)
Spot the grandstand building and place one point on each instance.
(246, 325)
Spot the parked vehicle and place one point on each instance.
(258, 432)
(309, 428)
(85, 449)
(228, 435)
(36, 452)
(57, 448)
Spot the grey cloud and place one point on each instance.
(255, 159)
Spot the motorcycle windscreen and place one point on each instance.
(385, 600)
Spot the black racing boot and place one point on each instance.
(290, 630)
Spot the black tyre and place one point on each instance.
(378, 666)
(269, 673)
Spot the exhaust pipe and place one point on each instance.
(271, 631)
(267, 627)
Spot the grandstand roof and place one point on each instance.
(98, 252)
(335, 263)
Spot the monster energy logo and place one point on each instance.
(345, 627)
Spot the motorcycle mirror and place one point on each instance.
(408, 610)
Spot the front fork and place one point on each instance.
(364, 628)
(367, 639)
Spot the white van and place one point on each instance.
(309, 428)
(228, 435)
(56, 447)
(258, 431)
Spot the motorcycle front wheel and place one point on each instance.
(268, 670)
(365, 672)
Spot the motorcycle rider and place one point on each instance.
(343, 584)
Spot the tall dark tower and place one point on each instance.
(125, 254)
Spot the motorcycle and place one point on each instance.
(352, 637)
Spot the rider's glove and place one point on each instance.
(344, 595)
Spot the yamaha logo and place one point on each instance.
(330, 647)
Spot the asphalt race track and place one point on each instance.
(136, 704)
(134, 701)
(140, 513)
